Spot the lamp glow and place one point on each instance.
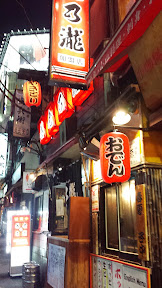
(121, 118)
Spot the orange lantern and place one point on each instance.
(44, 136)
(32, 93)
(51, 118)
(79, 96)
(115, 157)
(64, 104)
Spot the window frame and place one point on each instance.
(103, 238)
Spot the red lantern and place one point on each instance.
(115, 157)
(51, 119)
(79, 96)
(43, 131)
(32, 93)
(64, 104)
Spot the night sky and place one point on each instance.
(12, 15)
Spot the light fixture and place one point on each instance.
(82, 141)
(121, 117)
(32, 176)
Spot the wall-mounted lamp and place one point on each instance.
(82, 141)
(121, 117)
(32, 176)
(125, 110)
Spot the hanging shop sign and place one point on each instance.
(134, 25)
(22, 117)
(62, 107)
(32, 93)
(51, 118)
(44, 135)
(141, 223)
(69, 60)
(108, 272)
(115, 157)
(20, 243)
(79, 96)
(64, 104)
(3, 154)
(27, 182)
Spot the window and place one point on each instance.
(38, 212)
(121, 217)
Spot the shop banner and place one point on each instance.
(22, 117)
(141, 223)
(70, 42)
(27, 182)
(110, 273)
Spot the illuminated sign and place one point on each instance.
(32, 48)
(64, 105)
(20, 243)
(115, 157)
(43, 131)
(79, 96)
(3, 154)
(69, 60)
(52, 119)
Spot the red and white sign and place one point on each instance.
(64, 104)
(132, 28)
(69, 61)
(108, 272)
(51, 118)
(115, 157)
(20, 243)
(20, 231)
(79, 96)
(43, 131)
(27, 182)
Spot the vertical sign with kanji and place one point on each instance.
(115, 157)
(69, 61)
(141, 222)
(22, 117)
(3, 154)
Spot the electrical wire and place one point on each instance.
(22, 6)
(12, 101)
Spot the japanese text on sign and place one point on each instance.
(115, 152)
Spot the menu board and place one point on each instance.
(20, 243)
(56, 266)
(109, 273)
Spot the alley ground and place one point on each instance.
(5, 280)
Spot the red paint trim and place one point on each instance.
(131, 29)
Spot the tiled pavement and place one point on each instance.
(5, 280)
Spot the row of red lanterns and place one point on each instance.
(62, 107)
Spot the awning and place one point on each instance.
(132, 28)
